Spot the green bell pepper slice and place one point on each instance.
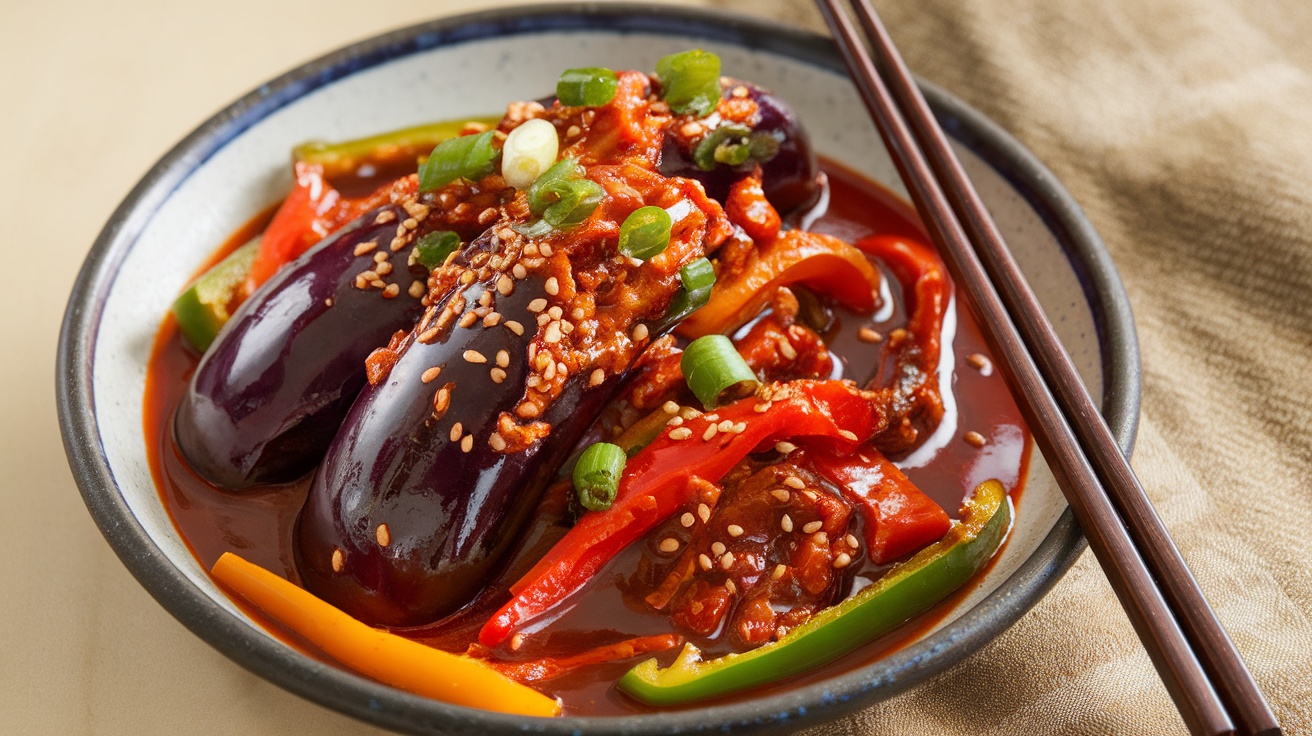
(202, 309)
(910, 588)
(340, 158)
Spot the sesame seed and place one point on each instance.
(473, 356)
(544, 249)
(556, 312)
(378, 284)
(640, 332)
(779, 571)
(383, 535)
(980, 363)
(385, 217)
(537, 305)
(485, 299)
(786, 523)
(597, 377)
(709, 433)
(427, 335)
(691, 129)
(852, 541)
(680, 433)
(410, 223)
(781, 495)
(468, 319)
(762, 407)
(688, 412)
(703, 512)
(491, 319)
(531, 249)
(718, 549)
(498, 375)
(328, 302)
(734, 530)
(578, 314)
(687, 519)
(784, 447)
(516, 642)
(842, 560)
(505, 285)
(550, 371)
(338, 562)
(670, 407)
(543, 319)
(363, 248)
(573, 130)
(812, 527)
(674, 421)
(441, 400)
(467, 443)
(975, 439)
(391, 291)
(725, 425)
(866, 334)
(552, 334)
(534, 379)
(730, 586)
(381, 256)
(519, 271)
(848, 435)
(726, 562)
(361, 282)
(821, 537)
(397, 243)
(704, 561)
(497, 442)
(431, 374)
(515, 327)
(787, 350)
(793, 481)
(739, 428)
(506, 233)
(467, 277)
(457, 431)
(416, 288)
(562, 369)
(486, 217)
(669, 544)
(552, 286)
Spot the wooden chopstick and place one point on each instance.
(1213, 647)
(1144, 603)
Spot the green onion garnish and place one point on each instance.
(690, 81)
(540, 193)
(698, 277)
(590, 86)
(577, 200)
(466, 157)
(732, 145)
(597, 475)
(434, 247)
(645, 232)
(714, 370)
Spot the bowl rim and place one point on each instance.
(379, 704)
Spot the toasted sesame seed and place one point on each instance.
(846, 434)
(505, 285)
(704, 561)
(687, 519)
(378, 284)
(734, 530)
(338, 561)
(821, 537)
(725, 425)
(468, 319)
(781, 495)
(543, 319)
(544, 249)
(537, 305)
(975, 439)
(852, 541)
(534, 379)
(669, 544)
(383, 535)
(703, 512)
(793, 481)
(867, 334)
(670, 407)
(363, 248)
(485, 299)
(640, 332)
(441, 400)
(779, 571)
(381, 256)
(427, 335)
(515, 327)
(842, 560)
(730, 586)
(550, 371)
(787, 350)
(812, 526)
(397, 243)
(786, 523)
(718, 549)
(492, 319)
(467, 277)
(391, 291)
(487, 216)
(562, 370)
(691, 129)
(762, 407)
(739, 427)
(497, 442)
(680, 433)
(498, 375)
(531, 249)
(385, 217)
(361, 282)
(572, 131)
(467, 443)
(516, 642)
(416, 288)
(410, 223)
(552, 335)
(597, 377)
(473, 356)
(505, 234)
(674, 421)
(328, 302)
(457, 431)
(431, 374)
(519, 271)
(578, 314)
(552, 286)
(711, 429)
(556, 312)
(980, 363)
(726, 562)
(688, 412)
(810, 495)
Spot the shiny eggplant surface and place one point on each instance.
(272, 390)
(790, 177)
(414, 505)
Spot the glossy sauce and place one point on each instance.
(258, 524)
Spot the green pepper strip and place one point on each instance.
(345, 157)
(908, 589)
(202, 309)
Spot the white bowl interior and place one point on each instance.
(479, 78)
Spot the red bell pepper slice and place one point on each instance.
(899, 517)
(655, 481)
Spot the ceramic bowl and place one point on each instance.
(236, 164)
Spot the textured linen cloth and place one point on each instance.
(1183, 127)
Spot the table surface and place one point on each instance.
(94, 93)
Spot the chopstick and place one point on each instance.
(1188, 645)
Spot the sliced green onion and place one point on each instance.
(589, 86)
(690, 81)
(577, 200)
(698, 277)
(433, 249)
(597, 475)
(714, 370)
(541, 194)
(529, 150)
(466, 157)
(645, 233)
(732, 145)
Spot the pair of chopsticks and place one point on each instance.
(1198, 663)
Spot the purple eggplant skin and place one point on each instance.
(450, 514)
(270, 393)
(791, 178)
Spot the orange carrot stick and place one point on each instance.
(387, 658)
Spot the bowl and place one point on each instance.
(234, 165)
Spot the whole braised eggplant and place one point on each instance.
(417, 499)
(272, 390)
(790, 172)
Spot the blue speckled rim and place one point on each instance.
(390, 708)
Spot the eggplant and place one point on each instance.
(791, 177)
(270, 393)
(408, 517)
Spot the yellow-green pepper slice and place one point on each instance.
(202, 308)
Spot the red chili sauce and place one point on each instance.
(258, 523)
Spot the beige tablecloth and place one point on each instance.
(1184, 128)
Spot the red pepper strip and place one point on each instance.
(537, 670)
(899, 517)
(655, 481)
(826, 263)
